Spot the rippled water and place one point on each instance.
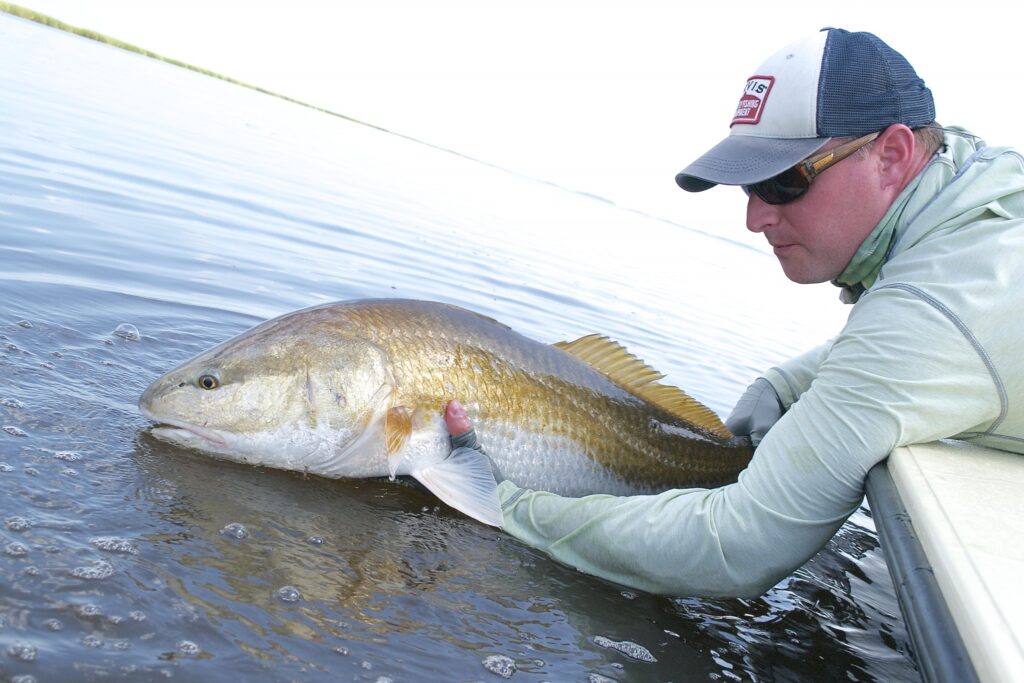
(147, 212)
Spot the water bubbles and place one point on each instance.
(23, 678)
(127, 331)
(96, 571)
(4, 467)
(16, 550)
(288, 594)
(235, 530)
(53, 624)
(88, 610)
(11, 403)
(632, 650)
(343, 651)
(17, 524)
(113, 544)
(24, 323)
(91, 640)
(136, 615)
(14, 431)
(500, 665)
(187, 647)
(23, 651)
(68, 456)
(315, 540)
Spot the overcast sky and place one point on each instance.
(610, 98)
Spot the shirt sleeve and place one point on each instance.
(792, 378)
(901, 372)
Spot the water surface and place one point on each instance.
(138, 197)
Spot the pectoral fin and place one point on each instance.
(465, 481)
(397, 429)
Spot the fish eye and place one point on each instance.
(208, 382)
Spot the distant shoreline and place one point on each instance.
(46, 20)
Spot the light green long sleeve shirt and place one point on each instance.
(930, 351)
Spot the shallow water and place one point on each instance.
(137, 197)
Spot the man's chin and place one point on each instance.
(798, 273)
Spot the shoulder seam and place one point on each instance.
(971, 339)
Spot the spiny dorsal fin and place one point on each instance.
(632, 374)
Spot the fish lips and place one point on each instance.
(187, 433)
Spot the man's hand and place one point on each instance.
(463, 435)
(460, 428)
(757, 410)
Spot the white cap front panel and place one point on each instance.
(781, 99)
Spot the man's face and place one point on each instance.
(815, 236)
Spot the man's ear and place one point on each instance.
(895, 149)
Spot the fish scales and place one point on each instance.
(332, 376)
(441, 352)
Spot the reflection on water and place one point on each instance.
(136, 194)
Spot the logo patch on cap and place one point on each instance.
(752, 102)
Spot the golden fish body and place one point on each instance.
(357, 389)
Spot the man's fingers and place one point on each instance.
(456, 420)
(463, 436)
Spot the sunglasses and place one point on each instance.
(794, 182)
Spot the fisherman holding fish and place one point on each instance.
(851, 180)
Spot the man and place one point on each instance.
(851, 181)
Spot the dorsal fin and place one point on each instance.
(632, 374)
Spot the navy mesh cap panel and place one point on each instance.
(866, 86)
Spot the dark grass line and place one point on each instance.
(40, 18)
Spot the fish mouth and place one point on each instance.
(178, 430)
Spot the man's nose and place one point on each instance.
(760, 214)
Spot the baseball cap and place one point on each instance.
(832, 84)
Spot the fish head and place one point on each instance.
(288, 393)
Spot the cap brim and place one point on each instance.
(745, 160)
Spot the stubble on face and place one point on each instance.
(816, 236)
